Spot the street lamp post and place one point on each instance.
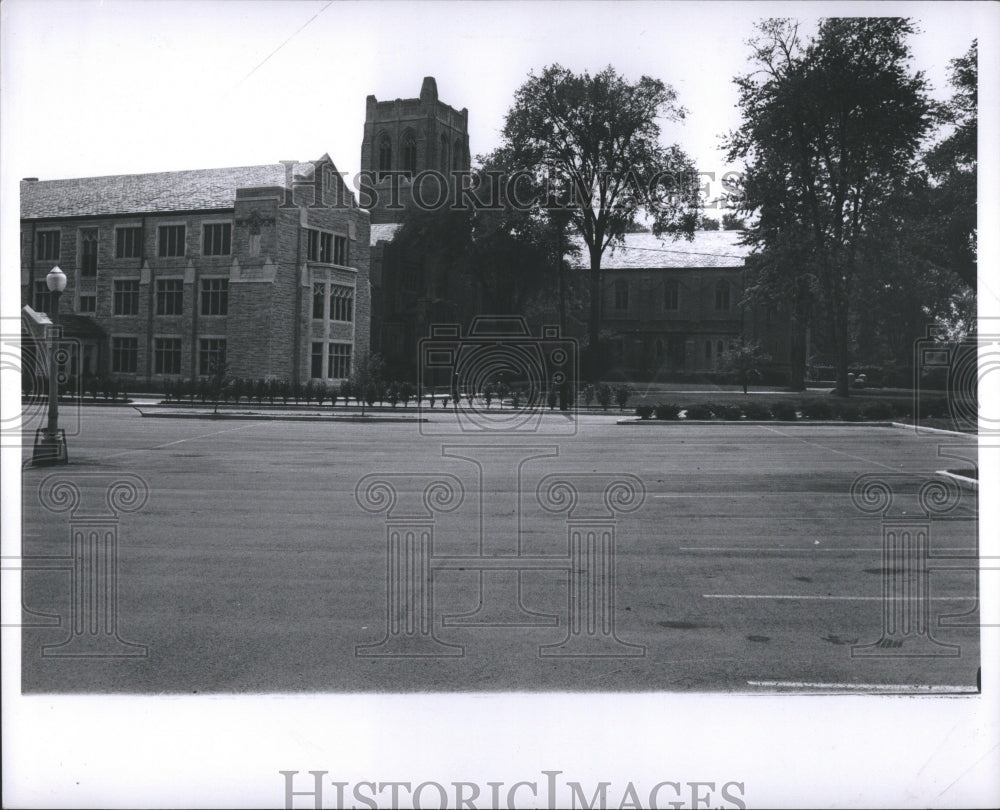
(50, 444)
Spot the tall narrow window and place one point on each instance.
(214, 296)
(671, 296)
(316, 368)
(124, 355)
(211, 356)
(384, 154)
(126, 297)
(167, 356)
(621, 294)
(444, 154)
(47, 243)
(42, 297)
(88, 304)
(217, 239)
(319, 301)
(722, 295)
(340, 254)
(456, 155)
(169, 296)
(341, 303)
(88, 252)
(339, 361)
(409, 153)
(172, 240)
(128, 243)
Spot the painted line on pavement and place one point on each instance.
(181, 441)
(832, 450)
(826, 598)
(868, 687)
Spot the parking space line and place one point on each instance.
(181, 441)
(831, 449)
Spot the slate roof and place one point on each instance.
(159, 192)
(644, 251)
(384, 232)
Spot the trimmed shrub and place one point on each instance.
(667, 411)
(784, 410)
(757, 411)
(817, 409)
(731, 413)
(604, 394)
(699, 411)
(878, 410)
(850, 411)
(622, 394)
(644, 411)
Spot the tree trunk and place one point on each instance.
(593, 371)
(842, 355)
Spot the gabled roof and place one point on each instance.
(644, 251)
(199, 189)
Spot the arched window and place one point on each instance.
(659, 349)
(708, 351)
(444, 154)
(722, 294)
(409, 148)
(718, 349)
(384, 154)
(671, 296)
(457, 153)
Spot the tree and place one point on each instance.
(744, 358)
(367, 379)
(708, 223)
(830, 131)
(594, 143)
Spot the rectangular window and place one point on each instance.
(317, 361)
(217, 239)
(722, 295)
(126, 297)
(128, 243)
(319, 246)
(124, 355)
(214, 296)
(42, 298)
(88, 252)
(671, 296)
(340, 254)
(88, 304)
(169, 296)
(211, 356)
(48, 246)
(341, 303)
(319, 300)
(167, 356)
(172, 240)
(621, 295)
(339, 361)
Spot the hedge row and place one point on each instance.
(788, 410)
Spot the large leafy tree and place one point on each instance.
(831, 129)
(593, 141)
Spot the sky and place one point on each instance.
(93, 88)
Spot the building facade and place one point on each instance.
(675, 307)
(260, 271)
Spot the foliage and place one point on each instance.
(622, 394)
(784, 410)
(756, 411)
(644, 411)
(732, 222)
(744, 358)
(367, 379)
(699, 411)
(707, 223)
(604, 395)
(831, 127)
(668, 411)
(817, 409)
(593, 141)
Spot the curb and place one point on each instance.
(278, 417)
(920, 429)
(964, 482)
(764, 422)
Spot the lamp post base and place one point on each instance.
(50, 448)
